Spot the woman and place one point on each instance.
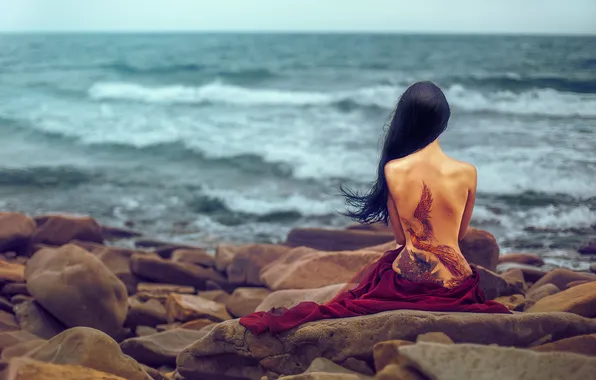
(428, 198)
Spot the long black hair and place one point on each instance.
(421, 115)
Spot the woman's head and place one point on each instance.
(421, 115)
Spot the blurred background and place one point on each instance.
(234, 121)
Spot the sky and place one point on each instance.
(423, 16)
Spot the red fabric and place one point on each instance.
(378, 288)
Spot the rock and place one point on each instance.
(580, 300)
(224, 254)
(229, 349)
(531, 274)
(521, 258)
(167, 327)
(250, 259)
(164, 248)
(306, 268)
(117, 260)
(436, 337)
(57, 230)
(537, 293)
(480, 248)
(220, 296)
(29, 369)
(20, 349)
(12, 338)
(516, 277)
(494, 285)
(14, 288)
(194, 256)
(16, 231)
(244, 301)
(161, 348)
(145, 330)
(593, 267)
(582, 344)
(324, 369)
(5, 305)
(150, 313)
(473, 361)
(10, 272)
(90, 348)
(36, 320)
(514, 302)
(7, 322)
(387, 352)
(170, 272)
(292, 297)
(184, 307)
(396, 372)
(197, 324)
(155, 374)
(588, 247)
(160, 292)
(336, 240)
(576, 283)
(561, 277)
(20, 298)
(377, 227)
(118, 233)
(77, 288)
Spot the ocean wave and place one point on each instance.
(545, 102)
(515, 82)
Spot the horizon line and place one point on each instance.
(314, 31)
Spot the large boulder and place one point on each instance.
(306, 268)
(77, 288)
(337, 240)
(57, 230)
(480, 248)
(292, 297)
(561, 277)
(36, 320)
(21, 368)
(162, 348)
(473, 361)
(248, 261)
(170, 272)
(580, 300)
(244, 301)
(229, 349)
(16, 231)
(90, 348)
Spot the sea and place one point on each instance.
(211, 138)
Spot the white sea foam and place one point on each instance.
(535, 102)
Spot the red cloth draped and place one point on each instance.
(375, 289)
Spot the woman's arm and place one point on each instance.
(472, 180)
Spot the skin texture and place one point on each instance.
(430, 206)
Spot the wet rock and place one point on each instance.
(473, 361)
(150, 313)
(57, 230)
(306, 268)
(29, 369)
(90, 348)
(161, 348)
(16, 231)
(183, 308)
(244, 301)
(36, 320)
(77, 288)
(10, 272)
(521, 258)
(580, 300)
(480, 248)
(292, 297)
(336, 240)
(229, 349)
(561, 277)
(194, 256)
(494, 285)
(582, 344)
(8, 322)
(170, 272)
(250, 259)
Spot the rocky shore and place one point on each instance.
(76, 303)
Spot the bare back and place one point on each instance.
(430, 204)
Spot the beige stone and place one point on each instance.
(244, 301)
(337, 240)
(57, 230)
(292, 297)
(514, 302)
(194, 256)
(184, 307)
(582, 344)
(580, 300)
(10, 272)
(248, 261)
(16, 231)
(480, 248)
(33, 318)
(170, 272)
(561, 277)
(387, 352)
(29, 369)
(521, 258)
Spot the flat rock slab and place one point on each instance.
(229, 349)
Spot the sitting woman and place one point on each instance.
(427, 197)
